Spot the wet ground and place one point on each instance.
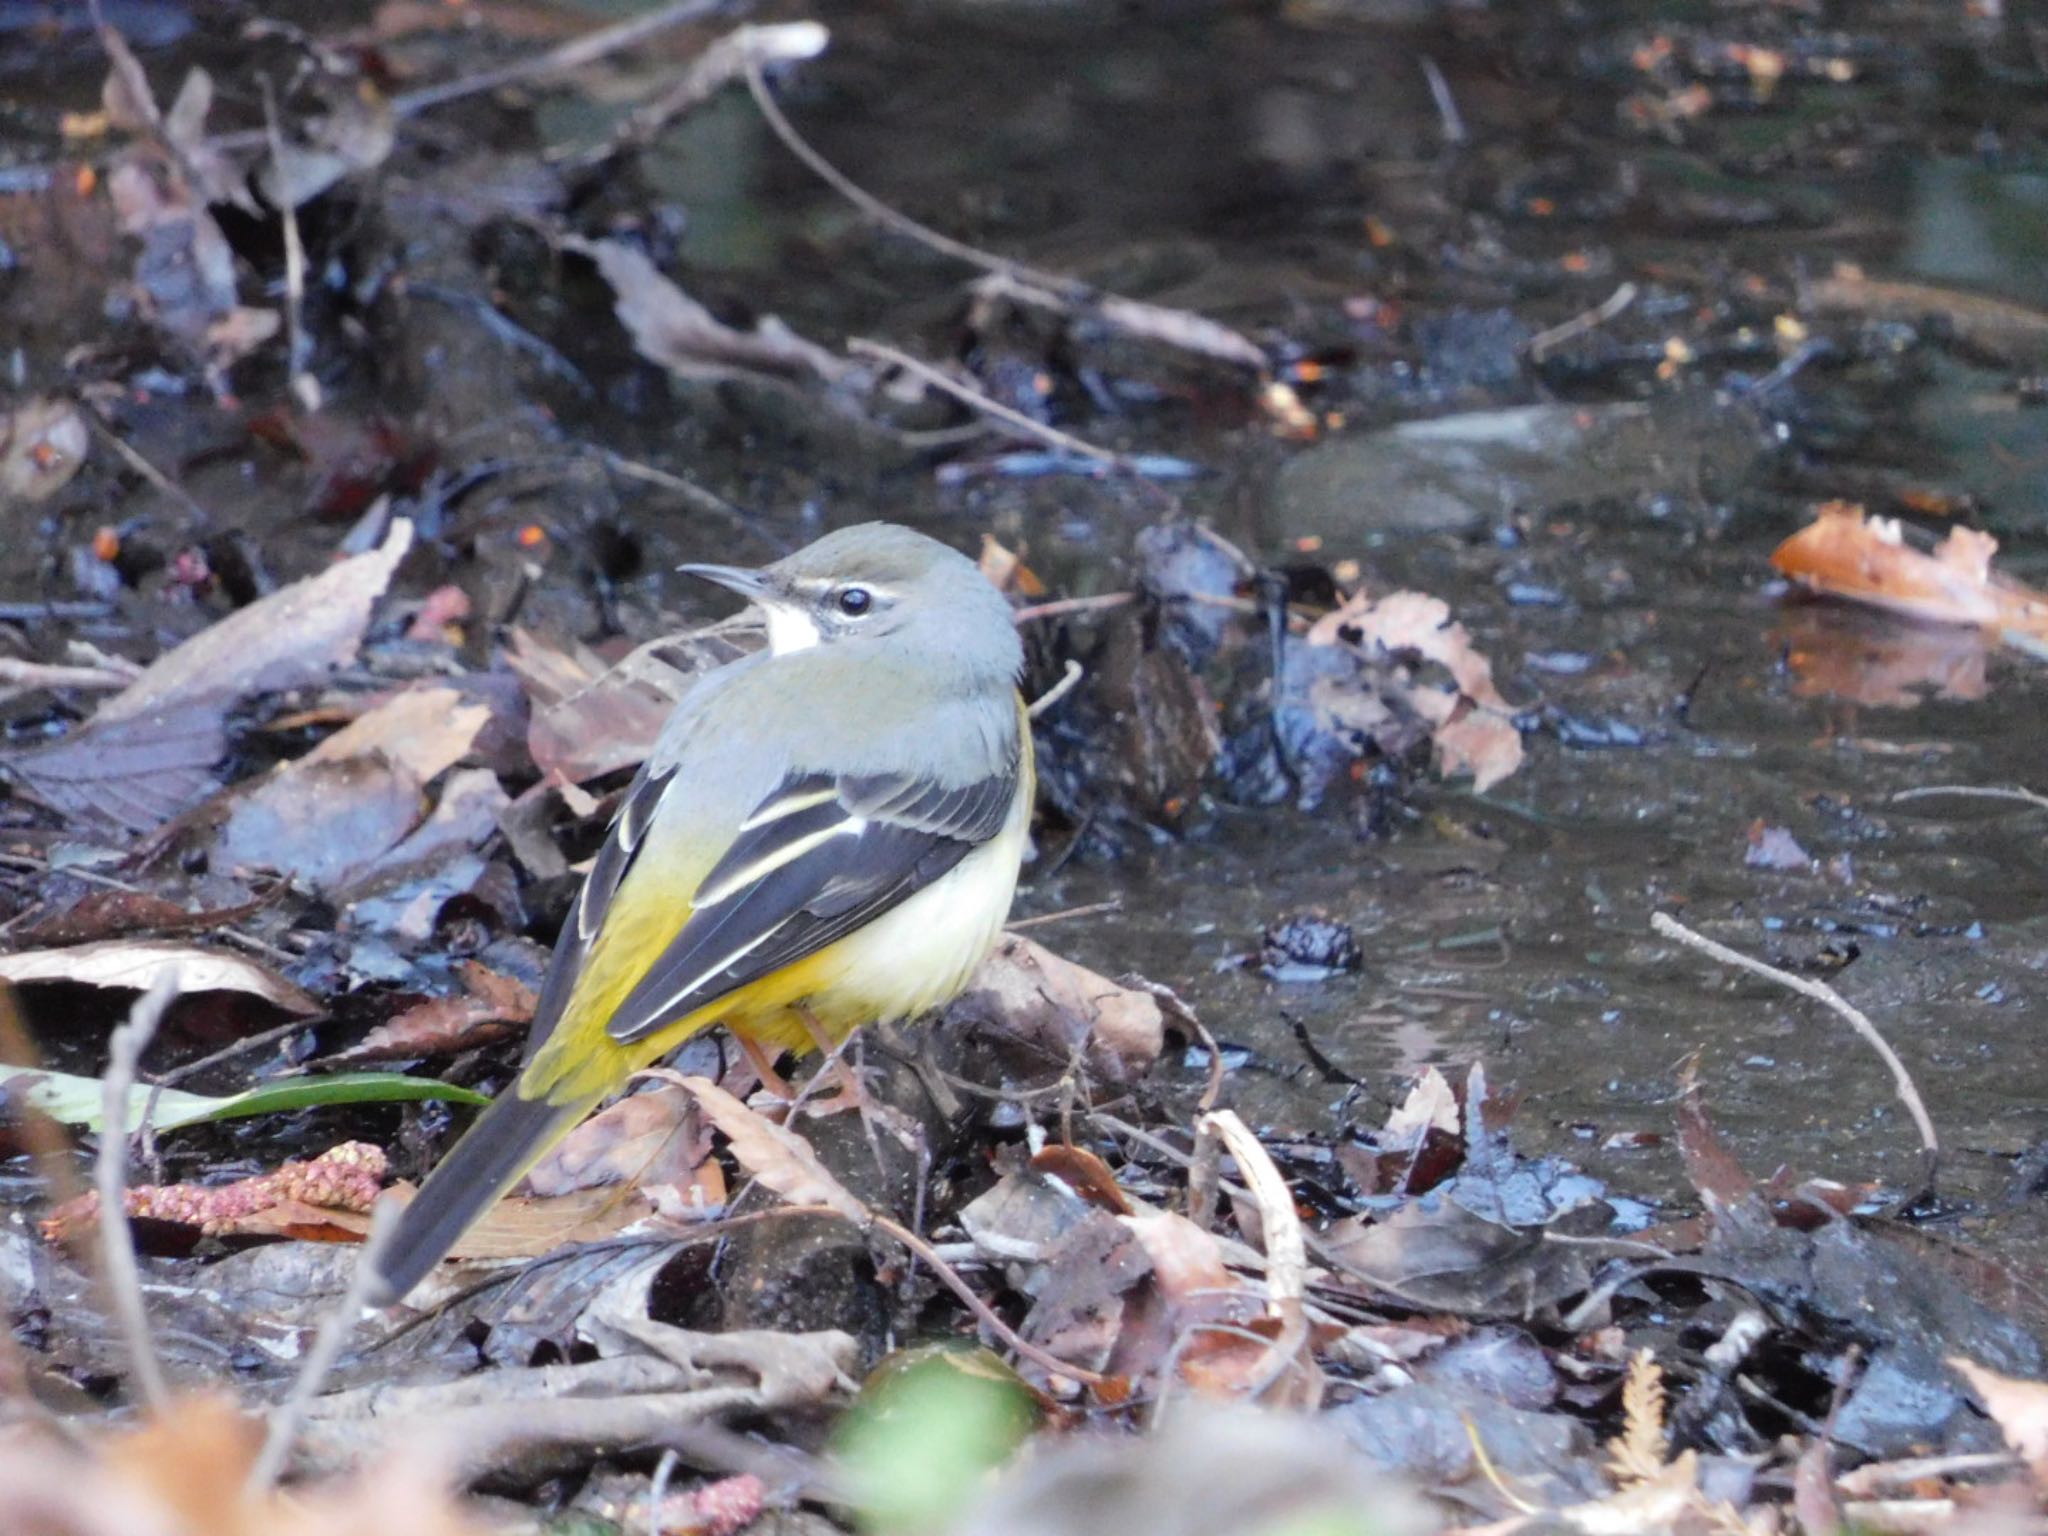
(1292, 174)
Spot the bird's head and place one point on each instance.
(880, 582)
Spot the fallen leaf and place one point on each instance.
(137, 965)
(184, 1471)
(148, 753)
(645, 1140)
(1027, 990)
(1775, 848)
(589, 719)
(2019, 1408)
(1842, 553)
(325, 824)
(1470, 724)
(426, 730)
(490, 1008)
(772, 1153)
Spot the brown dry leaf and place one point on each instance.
(1471, 723)
(2019, 1408)
(182, 1473)
(1026, 989)
(1844, 554)
(147, 754)
(1006, 570)
(530, 1227)
(491, 1007)
(774, 1154)
(1640, 1452)
(137, 965)
(671, 328)
(43, 443)
(645, 1139)
(1431, 1105)
(589, 719)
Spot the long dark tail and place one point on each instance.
(509, 1138)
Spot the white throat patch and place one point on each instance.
(789, 629)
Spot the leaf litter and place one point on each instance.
(1429, 1320)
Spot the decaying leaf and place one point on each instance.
(1844, 554)
(184, 1472)
(489, 1008)
(1471, 724)
(2019, 1408)
(774, 1154)
(1026, 989)
(589, 719)
(655, 1141)
(139, 964)
(148, 753)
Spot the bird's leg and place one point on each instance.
(764, 1068)
(850, 1094)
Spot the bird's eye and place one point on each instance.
(855, 601)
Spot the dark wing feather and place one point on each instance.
(796, 880)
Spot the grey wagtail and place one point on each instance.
(827, 834)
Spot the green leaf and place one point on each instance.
(928, 1424)
(76, 1100)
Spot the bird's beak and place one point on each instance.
(737, 578)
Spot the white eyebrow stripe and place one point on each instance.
(788, 805)
(787, 853)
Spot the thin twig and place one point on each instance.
(951, 1279)
(335, 1329)
(1446, 104)
(1179, 328)
(658, 1489)
(1975, 792)
(1065, 605)
(301, 383)
(690, 491)
(135, 461)
(1543, 342)
(874, 207)
(716, 67)
(1065, 914)
(1826, 995)
(1069, 681)
(860, 346)
(574, 54)
(117, 1237)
